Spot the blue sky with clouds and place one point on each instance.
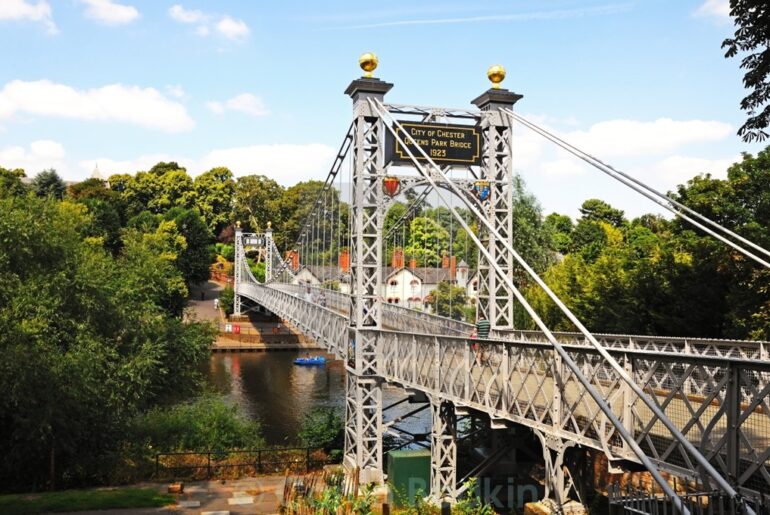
(257, 86)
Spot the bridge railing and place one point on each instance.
(399, 317)
(727, 416)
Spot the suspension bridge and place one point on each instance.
(690, 408)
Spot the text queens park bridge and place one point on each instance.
(693, 409)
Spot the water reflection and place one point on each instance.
(273, 390)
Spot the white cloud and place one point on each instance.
(109, 12)
(232, 29)
(38, 156)
(22, 10)
(667, 173)
(562, 168)
(226, 26)
(182, 15)
(145, 107)
(719, 9)
(629, 138)
(176, 91)
(310, 161)
(245, 103)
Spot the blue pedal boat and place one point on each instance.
(315, 360)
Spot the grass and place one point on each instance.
(78, 500)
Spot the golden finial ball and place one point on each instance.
(269, 225)
(496, 74)
(238, 224)
(368, 62)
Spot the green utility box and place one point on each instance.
(408, 474)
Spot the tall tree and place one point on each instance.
(214, 197)
(752, 41)
(196, 258)
(48, 183)
(258, 200)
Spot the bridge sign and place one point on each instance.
(451, 144)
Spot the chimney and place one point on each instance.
(344, 261)
(452, 268)
(293, 257)
(412, 263)
(397, 261)
(445, 261)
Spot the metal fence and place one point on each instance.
(633, 501)
(230, 464)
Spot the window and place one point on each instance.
(393, 283)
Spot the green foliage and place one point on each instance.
(104, 332)
(48, 184)
(10, 182)
(595, 210)
(530, 236)
(449, 301)
(427, 242)
(258, 200)
(84, 500)
(560, 227)
(214, 197)
(165, 186)
(226, 250)
(752, 22)
(471, 503)
(208, 423)
(196, 258)
(257, 269)
(226, 299)
(322, 427)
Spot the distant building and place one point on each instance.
(408, 286)
(97, 174)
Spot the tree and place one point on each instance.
(752, 19)
(258, 201)
(530, 238)
(595, 210)
(428, 241)
(165, 186)
(105, 347)
(448, 300)
(48, 183)
(91, 188)
(196, 258)
(560, 227)
(214, 197)
(11, 182)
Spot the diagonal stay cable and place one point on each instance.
(706, 466)
(654, 195)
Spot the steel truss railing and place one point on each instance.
(402, 318)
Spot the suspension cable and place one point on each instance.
(654, 195)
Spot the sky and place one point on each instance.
(257, 86)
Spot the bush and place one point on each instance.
(226, 250)
(226, 299)
(208, 423)
(322, 427)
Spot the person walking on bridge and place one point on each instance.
(482, 328)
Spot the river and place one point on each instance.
(277, 393)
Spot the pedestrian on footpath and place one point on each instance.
(216, 303)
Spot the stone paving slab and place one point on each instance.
(239, 501)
